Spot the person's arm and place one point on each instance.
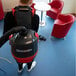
(9, 22)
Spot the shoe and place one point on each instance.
(42, 38)
(19, 71)
(32, 66)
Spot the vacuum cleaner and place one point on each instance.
(24, 43)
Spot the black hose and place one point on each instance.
(5, 37)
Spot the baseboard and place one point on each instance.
(74, 14)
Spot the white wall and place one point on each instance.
(41, 1)
(8, 4)
(75, 6)
(69, 6)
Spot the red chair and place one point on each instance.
(1, 11)
(56, 8)
(62, 25)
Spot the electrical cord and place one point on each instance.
(6, 60)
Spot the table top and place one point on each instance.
(42, 6)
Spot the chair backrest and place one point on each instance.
(57, 4)
(1, 11)
(67, 18)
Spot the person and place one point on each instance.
(9, 23)
(9, 20)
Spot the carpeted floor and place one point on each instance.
(56, 57)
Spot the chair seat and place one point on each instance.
(58, 21)
(54, 10)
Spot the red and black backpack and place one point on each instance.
(24, 48)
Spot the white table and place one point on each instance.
(43, 7)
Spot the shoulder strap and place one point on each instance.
(13, 11)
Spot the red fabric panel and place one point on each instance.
(13, 11)
(25, 60)
(10, 36)
(36, 34)
(33, 11)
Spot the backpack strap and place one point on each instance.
(33, 11)
(13, 11)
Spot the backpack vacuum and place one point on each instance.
(24, 43)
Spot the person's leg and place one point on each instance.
(31, 65)
(21, 67)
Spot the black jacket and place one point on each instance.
(9, 22)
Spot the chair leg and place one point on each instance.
(63, 38)
(52, 37)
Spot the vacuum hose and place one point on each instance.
(5, 37)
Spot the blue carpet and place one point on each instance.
(56, 57)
